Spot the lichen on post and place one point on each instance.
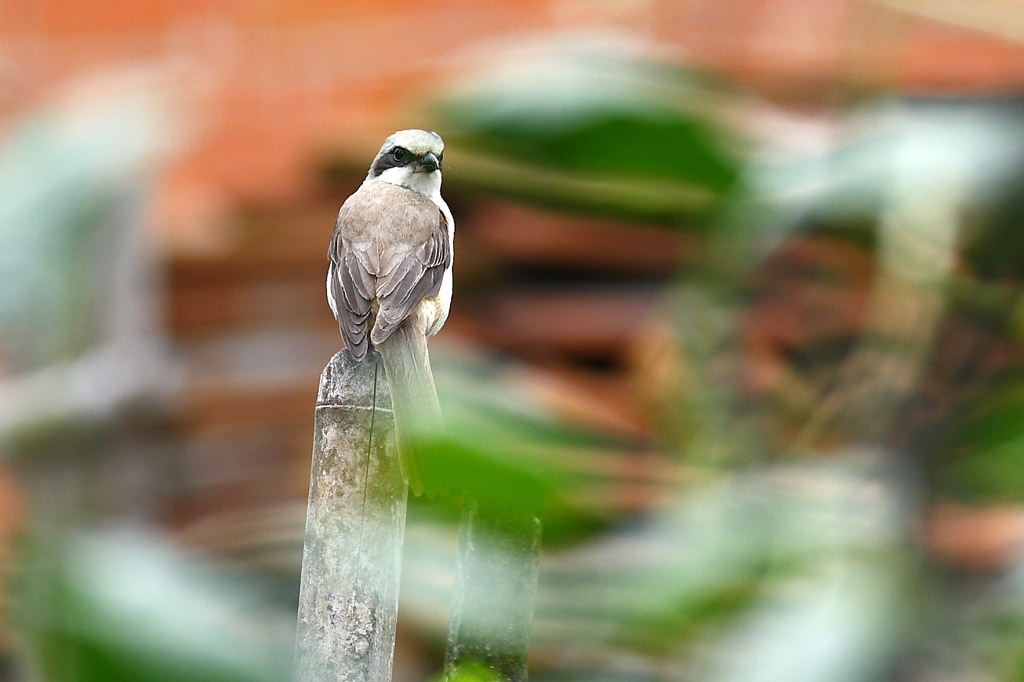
(355, 527)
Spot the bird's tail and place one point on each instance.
(413, 395)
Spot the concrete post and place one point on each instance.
(495, 589)
(355, 527)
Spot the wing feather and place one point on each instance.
(417, 277)
(389, 251)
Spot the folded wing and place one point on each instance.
(389, 251)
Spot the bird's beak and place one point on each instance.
(429, 163)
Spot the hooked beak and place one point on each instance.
(429, 163)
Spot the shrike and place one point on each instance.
(389, 282)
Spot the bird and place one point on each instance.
(389, 278)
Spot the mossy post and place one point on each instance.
(355, 527)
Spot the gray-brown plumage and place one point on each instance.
(389, 252)
(389, 277)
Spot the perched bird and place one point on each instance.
(389, 282)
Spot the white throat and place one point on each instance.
(428, 184)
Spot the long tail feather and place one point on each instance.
(413, 395)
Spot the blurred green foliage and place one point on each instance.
(121, 604)
(500, 447)
(757, 569)
(470, 673)
(985, 460)
(586, 128)
(70, 180)
(761, 570)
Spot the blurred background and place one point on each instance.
(738, 285)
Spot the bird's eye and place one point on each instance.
(400, 154)
(440, 157)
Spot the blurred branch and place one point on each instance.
(643, 197)
(916, 255)
(95, 388)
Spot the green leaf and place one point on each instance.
(986, 460)
(123, 605)
(592, 128)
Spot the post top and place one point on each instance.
(347, 382)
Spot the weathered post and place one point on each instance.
(355, 526)
(495, 588)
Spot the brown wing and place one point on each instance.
(351, 288)
(390, 248)
(410, 273)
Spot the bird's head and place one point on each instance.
(411, 159)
